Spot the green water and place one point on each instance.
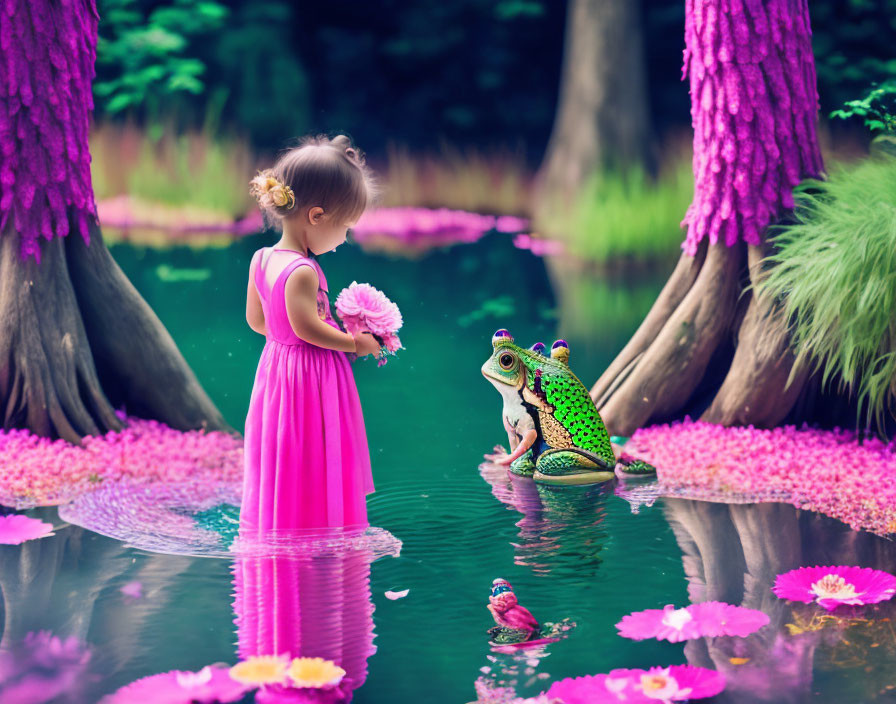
(576, 553)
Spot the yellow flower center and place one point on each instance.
(260, 669)
(651, 683)
(833, 586)
(315, 672)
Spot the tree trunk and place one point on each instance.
(78, 341)
(602, 110)
(709, 347)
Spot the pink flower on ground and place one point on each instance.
(669, 684)
(16, 529)
(710, 618)
(211, 684)
(835, 585)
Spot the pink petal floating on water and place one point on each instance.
(675, 683)
(710, 618)
(16, 529)
(211, 684)
(133, 590)
(835, 585)
(397, 595)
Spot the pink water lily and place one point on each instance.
(709, 618)
(16, 529)
(835, 585)
(210, 684)
(658, 684)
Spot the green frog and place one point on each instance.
(556, 434)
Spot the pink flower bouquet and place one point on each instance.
(362, 308)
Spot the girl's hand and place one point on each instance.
(366, 344)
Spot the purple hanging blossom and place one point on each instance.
(48, 51)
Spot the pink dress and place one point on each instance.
(306, 462)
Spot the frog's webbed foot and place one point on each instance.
(631, 465)
(572, 466)
(523, 466)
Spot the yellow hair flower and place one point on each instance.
(282, 195)
(270, 192)
(315, 672)
(261, 669)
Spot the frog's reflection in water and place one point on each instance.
(311, 605)
(561, 531)
(734, 552)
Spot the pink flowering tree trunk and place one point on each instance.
(708, 347)
(76, 339)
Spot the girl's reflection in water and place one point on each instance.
(307, 603)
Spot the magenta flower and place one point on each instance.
(41, 668)
(16, 529)
(669, 684)
(832, 586)
(211, 684)
(709, 618)
(363, 308)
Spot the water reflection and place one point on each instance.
(734, 552)
(313, 606)
(59, 594)
(562, 530)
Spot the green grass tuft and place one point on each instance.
(627, 214)
(834, 271)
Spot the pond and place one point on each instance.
(584, 555)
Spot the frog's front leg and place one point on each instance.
(521, 461)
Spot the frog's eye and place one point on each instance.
(506, 360)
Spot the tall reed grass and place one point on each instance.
(625, 214)
(192, 169)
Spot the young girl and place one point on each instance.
(306, 459)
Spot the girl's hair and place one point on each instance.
(330, 173)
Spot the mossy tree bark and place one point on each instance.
(709, 347)
(76, 339)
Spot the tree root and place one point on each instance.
(140, 366)
(674, 362)
(68, 317)
(682, 351)
(48, 382)
(676, 288)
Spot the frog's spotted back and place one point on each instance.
(567, 417)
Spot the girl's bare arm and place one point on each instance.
(301, 309)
